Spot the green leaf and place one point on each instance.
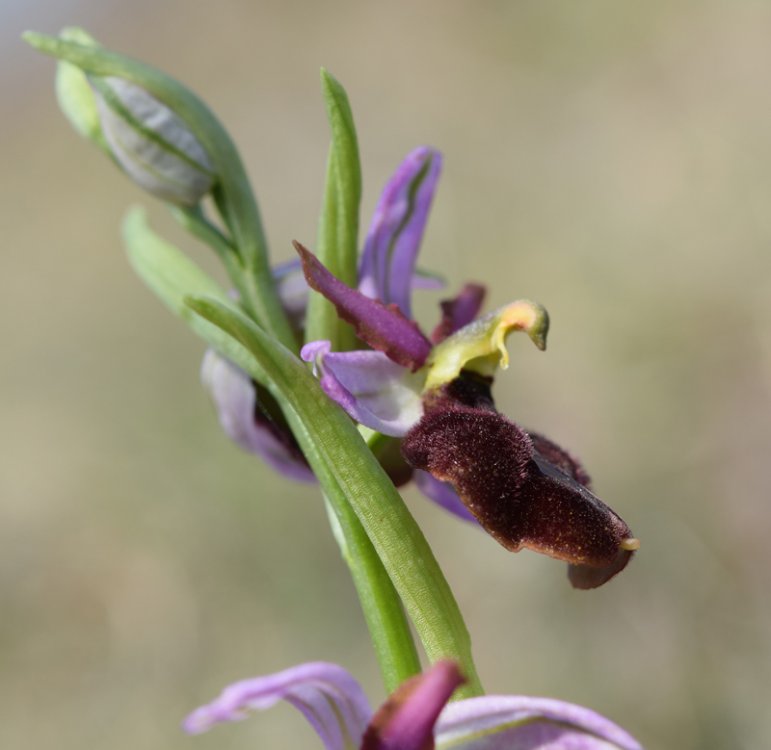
(172, 276)
(350, 475)
(338, 235)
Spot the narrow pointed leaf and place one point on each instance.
(337, 243)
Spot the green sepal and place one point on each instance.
(337, 244)
(75, 96)
(350, 475)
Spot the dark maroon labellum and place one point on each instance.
(524, 490)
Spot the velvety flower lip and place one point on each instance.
(518, 496)
(235, 397)
(387, 265)
(416, 716)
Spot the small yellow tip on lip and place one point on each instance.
(631, 544)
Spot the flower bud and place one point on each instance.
(151, 143)
(75, 95)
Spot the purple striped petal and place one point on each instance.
(383, 328)
(235, 399)
(326, 694)
(509, 721)
(406, 720)
(375, 391)
(443, 494)
(391, 248)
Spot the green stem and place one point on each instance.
(391, 637)
(350, 475)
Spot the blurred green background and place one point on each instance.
(609, 159)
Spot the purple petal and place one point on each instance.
(383, 328)
(443, 494)
(504, 722)
(292, 290)
(459, 311)
(235, 398)
(392, 244)
(375, 391)
(427, 280)
(326, 694)
(406, 720)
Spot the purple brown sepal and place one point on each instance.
(383, 327)
(406, 720)
(519, 497)
(459, 311)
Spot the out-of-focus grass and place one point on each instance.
(610, 160)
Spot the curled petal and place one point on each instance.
(517, 495)
(391, 248)
(326, 694)
(406, 720)
(443, 494)
(384, 328)
(459, 311)
(375, 391)
(246, 423)
(506, 722)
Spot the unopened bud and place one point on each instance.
(75, 95)
(151, 143)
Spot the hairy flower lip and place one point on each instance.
(522, 498)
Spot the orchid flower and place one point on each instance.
(387, 271)
(417, 715)
(434, 395)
